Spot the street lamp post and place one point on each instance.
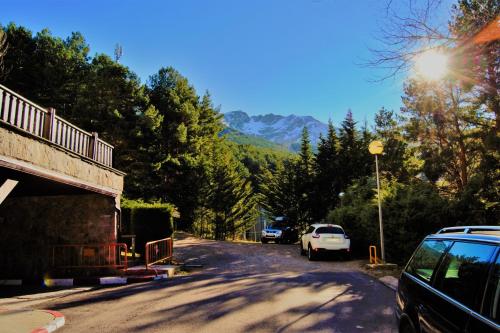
(376, 148)
(341, 195)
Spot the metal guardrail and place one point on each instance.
(159, 250)
(23, 114)
(373, 255)
(109, 255)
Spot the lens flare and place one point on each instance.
(431, 65)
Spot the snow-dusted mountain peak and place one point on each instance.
(283, 130)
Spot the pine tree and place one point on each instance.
(365, 159)
(305, 161)
(112, 102)
(280, 196)
(188, 132)
(394, 161)
(477, 69)
(288, 191)
(304, 181)
(326, 182)
(228, 195)
(439, 121)
(349, 152)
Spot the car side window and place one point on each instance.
(310, 230)
(463, 271)
(426, 258)
(491, 304)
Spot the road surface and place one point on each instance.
(242, 287)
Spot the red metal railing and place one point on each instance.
(19, 112)
(159, 250)
(110, 255)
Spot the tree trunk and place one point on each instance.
(462, 152)
(492, 84)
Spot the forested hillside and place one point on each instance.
(245, 139)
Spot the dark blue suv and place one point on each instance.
(452, 283)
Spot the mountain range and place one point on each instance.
(282, 130)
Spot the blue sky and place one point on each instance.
(259, 56)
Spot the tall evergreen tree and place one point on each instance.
(326, 169)
(304, 170)
(112, 102)
(352, 153)
(189, 130)
(365, 159)
(289, 190)
(388, 130)
(229, 196)
(439, 121)
(280, 196)
(305, 161)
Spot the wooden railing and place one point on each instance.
(19, 112)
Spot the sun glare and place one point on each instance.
(431, 65)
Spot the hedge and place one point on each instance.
(410, 212)
(148, 222)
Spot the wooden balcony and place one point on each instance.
(29, 117)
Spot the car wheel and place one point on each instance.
(263, 240)
(310, 254)
(302, 251)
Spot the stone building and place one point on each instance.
(59, 194)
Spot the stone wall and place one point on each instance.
(41, 153)
(30, 225)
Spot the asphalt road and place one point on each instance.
(242, 287)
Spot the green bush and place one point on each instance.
(358, 216)
(415, 211)
(147, 221)
(410, 212)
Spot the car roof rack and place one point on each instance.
(468, 229)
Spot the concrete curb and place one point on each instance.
(103, 281)
(58, 322)
(13, 282)
(87, 281)
(132, 275)
(111, 280)
(390, 282)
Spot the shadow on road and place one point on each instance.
(241, 288)
(207, 298)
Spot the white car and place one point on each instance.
(324, 238)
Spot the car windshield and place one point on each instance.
(276, 225)
(330, 230)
